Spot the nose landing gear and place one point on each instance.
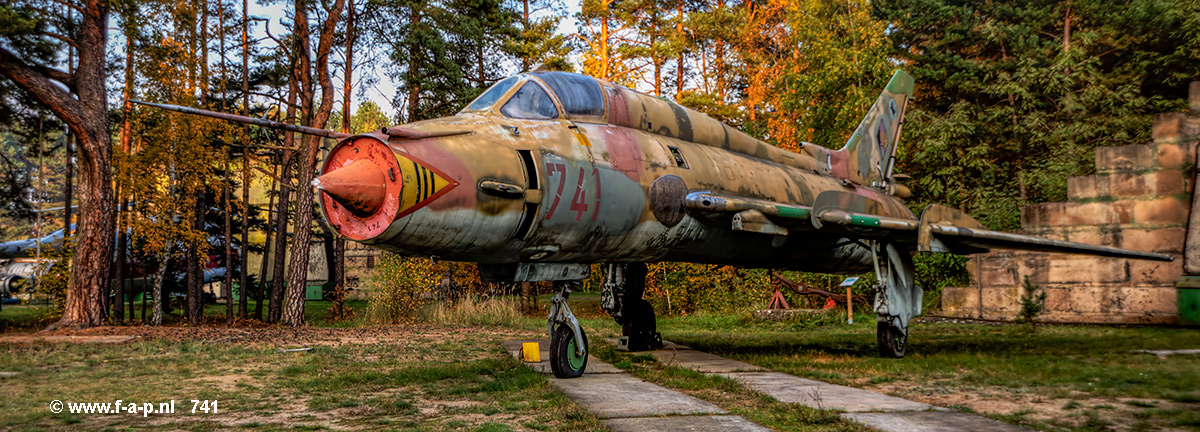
(568, 343)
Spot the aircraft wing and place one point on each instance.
(939, 229)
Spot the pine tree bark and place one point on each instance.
(679, 62)
(156, 288)
(87, 115)
(298, 276)
(278, 280)
(227, 282)
(195, 273)
(244, 254)
(267, 246)
(338, 269)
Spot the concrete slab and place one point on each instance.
(683, 423)
(702, 362)
(816, 394)
(594, 366)
(667, 345)
(930, 421)
(623, 395)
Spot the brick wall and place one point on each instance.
(1140, 198)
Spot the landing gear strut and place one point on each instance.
(897, 298)
(623, 287)
(568, 343)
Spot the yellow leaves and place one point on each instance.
(400, 286)
(682, 288)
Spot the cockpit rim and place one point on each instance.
(494, 108)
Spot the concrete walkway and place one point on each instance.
(624, 402)
(879, 411)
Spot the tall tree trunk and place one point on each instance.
(126, 282)
(278, 280)
(227, 282)
(414, 90)
(195, 272)
(117, 279)
(87, 115)
(122, 236)
(604, 69)
(68, 189)
(156, 287)
(527, 298)
(204, 52)
(227, 186)
(338, 274)
(294, 312)
(524, 34)
(281, 213)
(658, 63)
(244, 254)
(267, 245)
(679, 63)
(68, 184)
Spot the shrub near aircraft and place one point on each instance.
(546, 173)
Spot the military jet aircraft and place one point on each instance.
(21, 267)
(547, 172)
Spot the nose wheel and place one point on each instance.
(568, 343)
(567, 360)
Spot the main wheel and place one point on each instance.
(564, 361)
(892, 341)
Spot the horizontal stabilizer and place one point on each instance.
(986, 239)
(940, 229)
(944, 229)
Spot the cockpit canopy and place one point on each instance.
(543, 96)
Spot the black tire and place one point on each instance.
(892, 341)
(564, 362)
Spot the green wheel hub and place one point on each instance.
(575, 360)
(565, 362)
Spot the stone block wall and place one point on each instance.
(1140, 198)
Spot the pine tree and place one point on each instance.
(1014, 96)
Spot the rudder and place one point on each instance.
(870, 153)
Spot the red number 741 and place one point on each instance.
(578, 204)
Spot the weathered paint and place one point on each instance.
(593, 189)
(598, 191)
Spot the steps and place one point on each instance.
(1140, 198)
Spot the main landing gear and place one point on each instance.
(568, 343)
(623, 286)
(897, 298)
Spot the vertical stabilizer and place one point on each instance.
(870, 153)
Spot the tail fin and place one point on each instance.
(870, 153)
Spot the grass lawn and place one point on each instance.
(1048, 377)
(408, 378)
(35, 317)
(439, 377)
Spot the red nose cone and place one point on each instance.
(362, 186)
(359, 187)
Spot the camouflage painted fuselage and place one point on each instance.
(493, 189)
